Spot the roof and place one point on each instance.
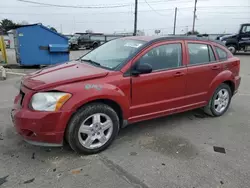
(18, 26)
(143, 38)
(89, 33)
(37, 24)
(176, 37)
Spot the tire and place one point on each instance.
(232, 48)
(95, 45)
(212, 108)
(86, 140)
(75, 47)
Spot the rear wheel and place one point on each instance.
(93, 128)
(75, 47)
(220, 101)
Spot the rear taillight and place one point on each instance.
(236, 67)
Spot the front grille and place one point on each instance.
(22, 97)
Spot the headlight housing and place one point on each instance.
(224, 41)
(49, 101)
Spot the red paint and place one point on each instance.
(143, 97)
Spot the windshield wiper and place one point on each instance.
(91, 61)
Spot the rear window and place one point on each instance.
(222, 54)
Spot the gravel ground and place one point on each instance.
(170, 152)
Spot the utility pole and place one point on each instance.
(186, 30)
(194, 17)
(135, 19)
(175, 15)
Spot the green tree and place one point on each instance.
(53, 29)
(6, 25)
(192, 33)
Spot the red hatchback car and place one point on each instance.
(85, 102)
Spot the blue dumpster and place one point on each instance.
(38, 45)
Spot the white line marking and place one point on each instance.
(244, 94)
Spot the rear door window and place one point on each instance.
(222, 54)
(198, 53)
(211, 53)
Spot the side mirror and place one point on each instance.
(142, 69)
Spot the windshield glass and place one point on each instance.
(113, 53)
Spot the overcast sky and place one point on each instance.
(213, 16)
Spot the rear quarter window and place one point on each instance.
(222, 54)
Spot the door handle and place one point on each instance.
(215, 67)
(178, 74)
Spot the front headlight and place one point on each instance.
(224, 41)
(49, 101)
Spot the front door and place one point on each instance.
(161, 91)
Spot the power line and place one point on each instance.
(119, 12)
(159, 2)
(120, 5)
(125, 12)
(97, 5)
(78, 6)
(122, 12)
(221, 6)
(153, 9)
(225, 12)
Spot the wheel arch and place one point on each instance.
(231, 84)
(224, 77)
(233, 42)
(113, 104)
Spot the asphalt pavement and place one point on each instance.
(171, 152)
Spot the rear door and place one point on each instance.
(202, 68)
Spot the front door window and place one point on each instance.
(164, 57)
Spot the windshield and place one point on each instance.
(113, 53)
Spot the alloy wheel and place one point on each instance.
(232, 49)
(95, 131)
(221, 100)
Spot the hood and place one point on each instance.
(228, 36)
(62, 74)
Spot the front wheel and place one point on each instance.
(92, 129)
(95, 45)
(75, 47)
(220, 101)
